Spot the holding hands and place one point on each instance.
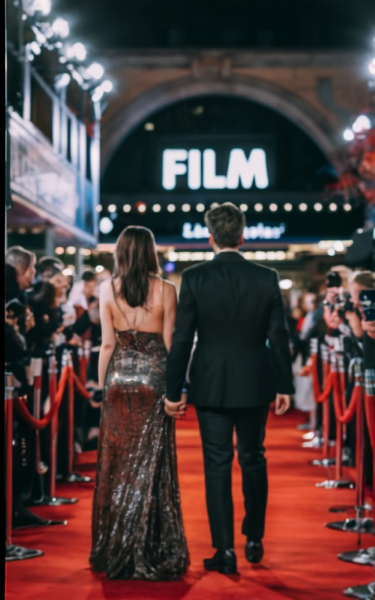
(176, 410)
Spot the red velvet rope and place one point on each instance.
(370, 417)
(315, 377)
(39, 424)
(346, 416)
(327, 389)
(82, 370)
(80, 388)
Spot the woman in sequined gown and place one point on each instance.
(137, 528)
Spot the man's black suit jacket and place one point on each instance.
(242, 358)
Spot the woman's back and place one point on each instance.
(147, 318)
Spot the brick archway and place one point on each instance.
(298, 111)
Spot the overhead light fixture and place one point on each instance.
(200, 207)
(348, 135)
(105, 225)
(171, 208)
(362, 123)
(149, 126)
(286, 284)
(244, 207)
(348, 207)
(333, 207)
(318, 206)
(156, 208)
(112, 208)
(186, 207)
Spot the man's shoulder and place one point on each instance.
(191, 272)
(262, 270)
(252, 268)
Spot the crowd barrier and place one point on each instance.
(333, 376)
(70, 386)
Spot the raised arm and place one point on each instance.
(108, 333)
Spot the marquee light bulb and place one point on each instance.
(141, 208)
(171, 208)
(288, 207)
(273, 207)
(371, 66)
(156, 208)
(258, 207)
(244, 207)
(186, 207)
(303, 207)
(333, 207)
(347, 207)
(126, 208)
(60, 27)
(362, 123)
(318, 206)
(105, 225)
(200, 207)
(112, 208)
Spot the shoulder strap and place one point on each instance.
(162, 293)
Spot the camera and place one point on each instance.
(367, 300)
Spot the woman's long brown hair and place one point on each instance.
(135, 260)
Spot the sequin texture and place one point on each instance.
(137, 528)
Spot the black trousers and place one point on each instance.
(216, 427)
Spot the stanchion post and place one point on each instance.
(326, 404)
(37, 364)
(70, 413)
(52, 374)
(9, 391)
(337, 366)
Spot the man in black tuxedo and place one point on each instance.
(241, 364)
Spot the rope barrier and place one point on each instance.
(370, 417)
(315, 377)
(327, 389)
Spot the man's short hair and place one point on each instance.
(226, 224)
(88, 276)
(19, 258)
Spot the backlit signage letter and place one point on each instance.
(247, 170)
(172, 166)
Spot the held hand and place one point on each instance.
(176, 410)
(282, 404)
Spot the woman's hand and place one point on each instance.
(369, 328)
(176, 410)
(282, 404)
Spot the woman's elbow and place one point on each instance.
(108, 346)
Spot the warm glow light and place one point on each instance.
(347, 207)
(244, 207)
(303, 207)
(362, 123)
(71, 250)
(99, 268)
(171, 208)
(318, 206)
(142, 208)
(156, 208)
(200, 207)
(273, 207)
(288, 207)
(258, 207)
(105, 225)
(126, 208)
(348, 135)
(333, 207)
(186, 207)
(339, 246)
(59, 250)
(286, 284)
(149, 126)
(112, 208)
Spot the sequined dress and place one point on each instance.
(137, 528)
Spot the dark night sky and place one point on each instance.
(296, 24)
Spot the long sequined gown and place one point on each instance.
(137, 528)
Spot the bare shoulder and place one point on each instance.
(105, 289)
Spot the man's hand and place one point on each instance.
(176, 410)
(282, 404)
(369, 328)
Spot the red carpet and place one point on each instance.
(300, 561)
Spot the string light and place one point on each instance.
(273, 207)
(288, 207)
(99, 208)
(156, 208)
(333, 207)
(258, 207)
(141, 207)
(126, 208)
(347, 207)
(318, 206)
(303, 207)
(244, 207)
(186, 207)
(112, 208)
(200, 207)
(171, 208)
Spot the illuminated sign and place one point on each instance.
(253, 232)
(244, 169)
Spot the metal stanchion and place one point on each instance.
(360, 524)
(12, 552)
(337, 366)
(72, 477)
(364, 556)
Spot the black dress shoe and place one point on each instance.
(254, 552)
(224, 561)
